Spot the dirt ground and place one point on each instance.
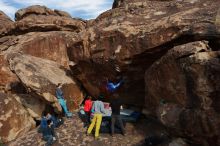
(72, 133)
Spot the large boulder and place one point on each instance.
(135, 35)
(201, 126)
(14, 119)
(48, 23)
(47, 45)
(185, 71)
(40, 18)
(36, 10)
(39, 10)
(34, 105)
(37, 19)
(6, 24)
(41, 77)
(50, 45)
(149, 24)
(182, 87)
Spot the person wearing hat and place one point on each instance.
(98, 110)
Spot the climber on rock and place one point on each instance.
(62, 101)
(111, 87)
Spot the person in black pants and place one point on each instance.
(87, 110)
(115, 105)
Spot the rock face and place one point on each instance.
(7, 77)
(50, 45)
(151, 24)
(39, 18)
(38, 10)
(5, 23)
(167, 53)
(48, 23)
(14, 119)
(33, 60)
(34, 105)
(138, 33)
(42, 76)
(184, 84)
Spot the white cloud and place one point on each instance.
(87, 7)
(7, 8)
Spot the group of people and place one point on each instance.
(96, 108)
(49, 122)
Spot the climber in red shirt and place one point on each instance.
(87, 109)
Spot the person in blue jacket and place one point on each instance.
(62, 101)
(48, 133)
(43, 123)
(111, 87)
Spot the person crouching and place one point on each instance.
(48, 133)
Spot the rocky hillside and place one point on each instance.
(167, 51)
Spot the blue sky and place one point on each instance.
(86, 9)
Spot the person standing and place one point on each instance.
(62, 101)
(87, 110)
(98, 109)
(115, 105)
